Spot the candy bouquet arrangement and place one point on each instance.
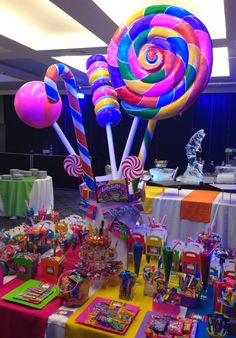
(98, 257)
(210, 242)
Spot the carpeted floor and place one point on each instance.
(66, 202)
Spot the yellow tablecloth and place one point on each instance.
(74, 330)
(151, 192)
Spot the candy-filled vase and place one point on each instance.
(138, 252)
(167, 261)
(205, 260)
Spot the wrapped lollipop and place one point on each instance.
(159, 60)
(105, 101)
(210, 240)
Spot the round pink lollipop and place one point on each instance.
(132, 168)
(73, 166)
(33, 108)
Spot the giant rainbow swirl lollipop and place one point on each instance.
(159, 61)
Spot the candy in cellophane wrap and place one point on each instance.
(73, 288)
(159, 60)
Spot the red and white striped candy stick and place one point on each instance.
(50, 80)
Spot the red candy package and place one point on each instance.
(175, 327)
(187, 325)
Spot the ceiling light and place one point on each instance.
(220, 62)
(8, 78)
(210, 12)
(75, 61)
(43, 26)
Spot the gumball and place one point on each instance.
(33, 108)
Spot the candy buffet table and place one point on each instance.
(223, 214)
(14, 193)
(56, 321)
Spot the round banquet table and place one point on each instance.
(37, 192)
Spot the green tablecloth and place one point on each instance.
(14, 193)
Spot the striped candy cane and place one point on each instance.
(147, 139)
(50, 80)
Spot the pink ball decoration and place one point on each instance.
(32, 105)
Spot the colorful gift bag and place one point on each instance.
(26, 265)
(52, 267)
(190, 262)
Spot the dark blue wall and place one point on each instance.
(215, 113)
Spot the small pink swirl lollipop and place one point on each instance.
(132, 168)
(73, 166)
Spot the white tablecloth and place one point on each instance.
(41, 196)
(223, 212)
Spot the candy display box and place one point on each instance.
(26, 265)
(112, 191)
(52, 267)
(190, 302)
(165, 308)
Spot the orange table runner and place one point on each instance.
(197, 205)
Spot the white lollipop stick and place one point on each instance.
(63, 138)
(111, 151)
(129, 143)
